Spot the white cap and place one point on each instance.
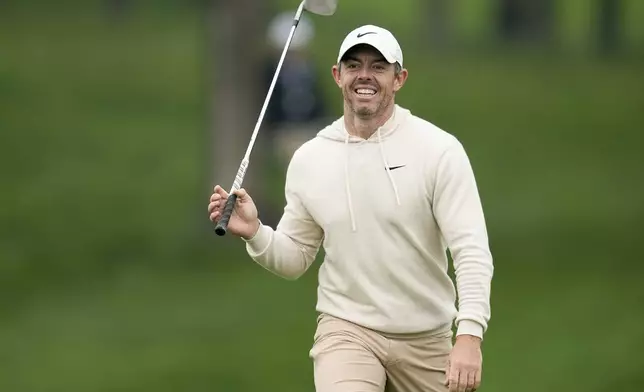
(381, 39)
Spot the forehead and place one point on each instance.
(364, 52)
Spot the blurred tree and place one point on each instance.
(525, 20)
(609, 22)
(236, 35)
(438, 14)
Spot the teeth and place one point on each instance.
(365, 91)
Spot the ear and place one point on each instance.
(400, 80)
(335, 70)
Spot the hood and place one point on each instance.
(336, 131)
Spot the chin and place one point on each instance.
(364, 111)
(365, 108)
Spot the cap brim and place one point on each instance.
(390, 59)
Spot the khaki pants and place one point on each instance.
(350, 358)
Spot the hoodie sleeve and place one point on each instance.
(459, 214)
(290, 249)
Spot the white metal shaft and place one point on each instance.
(241, 172)
(296, 20)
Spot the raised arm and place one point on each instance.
(290, 249)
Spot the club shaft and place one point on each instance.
(241, 172)
(221, 227)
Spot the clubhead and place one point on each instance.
(321, 7)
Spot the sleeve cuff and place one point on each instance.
(259, 243)
(469, 327)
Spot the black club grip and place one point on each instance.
(222, 225)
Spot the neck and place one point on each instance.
(364, 127)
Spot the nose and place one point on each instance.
(364, 73)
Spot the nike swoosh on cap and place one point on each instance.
(363, 34)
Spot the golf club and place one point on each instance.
(319, 7)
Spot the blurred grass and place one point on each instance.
(110, 280)
(100, 124)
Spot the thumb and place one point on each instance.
(447, 371)
(242, 195)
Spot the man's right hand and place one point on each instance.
(244, 220)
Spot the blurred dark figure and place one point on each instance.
(525, 20)
(609, 21)
(297, 108)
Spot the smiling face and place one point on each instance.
(368, 81)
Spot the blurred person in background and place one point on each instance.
(386, 194)
(296, 110)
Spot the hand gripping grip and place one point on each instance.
(222, 225)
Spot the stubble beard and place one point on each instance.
(369, 111)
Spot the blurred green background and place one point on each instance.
(111, 278)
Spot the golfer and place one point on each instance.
(386, 194)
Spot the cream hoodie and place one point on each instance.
(385, 210)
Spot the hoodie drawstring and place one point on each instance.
(346, 183)
(384, 160)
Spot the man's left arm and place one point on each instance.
(459, 214)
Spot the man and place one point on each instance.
(386, 194)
